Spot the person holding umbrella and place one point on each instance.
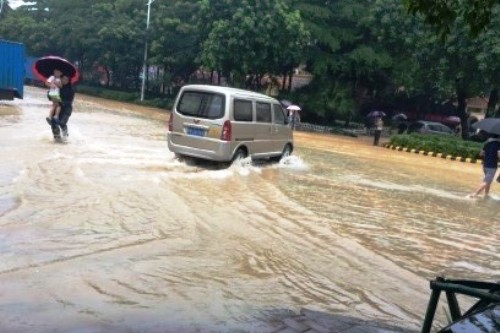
(378, 123)
(379, 126)
(67, 95)
(51, 69)
(401, 121)
(293, 116)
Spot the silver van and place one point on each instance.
(224, 124)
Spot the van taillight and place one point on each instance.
(171, 122)
(226, 131)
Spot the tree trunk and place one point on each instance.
(146, 86)
(462, 111)
(290, 80)
(283, 82)
(108, 76)
(82, 67)
(157, 77)
(169, 81)
(259, 82)
(348, 121)
(492, 103)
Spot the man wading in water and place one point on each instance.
(67, 95)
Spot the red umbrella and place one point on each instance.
(44, 68)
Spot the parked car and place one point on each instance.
(429, 127)
(225, 124)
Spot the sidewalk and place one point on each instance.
(309, 321)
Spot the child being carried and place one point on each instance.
(54, 83)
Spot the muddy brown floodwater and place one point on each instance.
(110, 233)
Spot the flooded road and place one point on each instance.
(110, 233)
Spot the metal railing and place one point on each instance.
(487, 293)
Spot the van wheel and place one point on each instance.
(179, 157)
(287, 151)
(239, 155)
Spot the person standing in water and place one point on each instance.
(67, 95)
(379, 126)
(490, 155)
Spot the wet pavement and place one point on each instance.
(309, 321)
(110, 233)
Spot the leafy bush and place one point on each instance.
(342, 131)
(161, 103)
(119, 95)
(125, 96)
(447, 145)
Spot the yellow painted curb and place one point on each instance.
(433, 154)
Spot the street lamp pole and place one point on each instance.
(144, 66)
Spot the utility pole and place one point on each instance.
(144, 66)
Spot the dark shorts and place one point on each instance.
(489, 174)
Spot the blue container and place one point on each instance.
(11, 69)
(29, 76)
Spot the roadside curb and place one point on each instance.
(433, 154)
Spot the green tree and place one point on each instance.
(458, 67)
(19, 27)
(175, 41)
(443, 14)
(251, 38)
(347, 63)
(121, 41)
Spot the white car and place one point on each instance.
(429, 127)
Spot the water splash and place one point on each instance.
(358, 179)
(293, 162)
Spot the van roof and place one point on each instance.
(228, 90)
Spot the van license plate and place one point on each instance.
(195, 131)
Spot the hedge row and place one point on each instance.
(123, 96)
(447, 145)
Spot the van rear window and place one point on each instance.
(201, 105)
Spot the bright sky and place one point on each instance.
(15, 3)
